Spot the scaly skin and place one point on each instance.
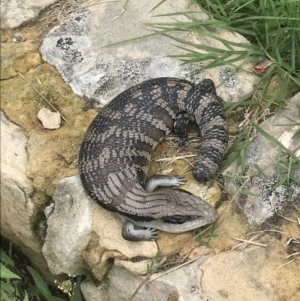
(117, 148)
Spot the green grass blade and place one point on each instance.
(33, 291)
(275, 141)
(126, 4)
(5, 273)
(76, 296)
(296, 135)
(297, 180)
(157, 5)
(243, 145)
(6, 259)
(279, 183)
(293, 52)
(256, 166)
(7, 287)
(5, 296)
(41, 284)
(25, 297)
(232, 156)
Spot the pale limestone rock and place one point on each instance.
(16, 12)
(210, 194)
(100, 73)
(201, 251)
(107, 243)
(17, 207)
(228, 271)
(108, 227)
(136, 268)
(167, 242)
(69, 237)
(92, 292)
(69, 227)
(261, 202)
(13, 154)
(50, 120)
(181, 284)
(252, 274)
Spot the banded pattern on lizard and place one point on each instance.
(117, 147)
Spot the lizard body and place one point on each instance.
(117, 148)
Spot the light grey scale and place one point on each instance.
(117, 148)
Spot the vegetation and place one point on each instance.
(20, 282)
(10, 281)
(273, 28)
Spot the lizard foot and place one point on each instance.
(161, 180)
(129, 232)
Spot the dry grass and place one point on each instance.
(61, 11)
(48, 102)
(167, 155)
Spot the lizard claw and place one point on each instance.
(178, 180)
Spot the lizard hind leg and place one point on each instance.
(182, 119)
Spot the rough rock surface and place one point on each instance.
(69, 227)
(17, 12)
(33, 159)
(17, 206)
(180, 284)
(107, 243)
(25, 56)
(254, 271)
(261, 202)
(69, 234)
(77, 49)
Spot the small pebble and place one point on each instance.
(18, 38)
(50, 120)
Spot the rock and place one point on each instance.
(18, 211)
(261, 202)
(244, 269)
(18, 58)
(18, 38)
(202, 251)
(136, 268)
(248, 275)
(91, 292)
(167, 242)
(256, 273)
(108, 227)
(17, 12)
(50, 120)
(69, 227)
(13, 154)
(77, 49)
(108, 244)
(52, 154)
(181, 283)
